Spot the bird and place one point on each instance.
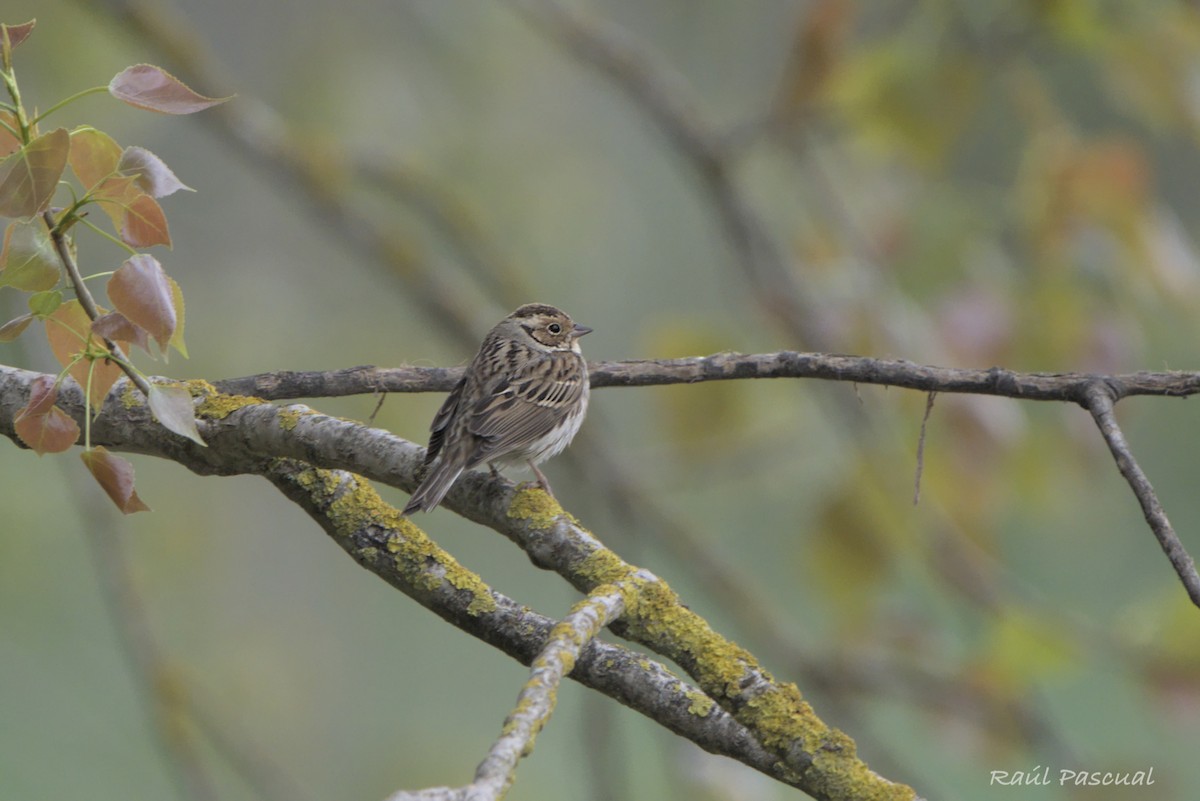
(522, 399)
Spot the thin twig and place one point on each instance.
(1099, 401)
(537, 699)
(1068, 387)
(84, 295)
(921, 447)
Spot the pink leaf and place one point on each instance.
(116, 327)
(40, 424)
(19, 33)
(9, 143)
(154, 89)
(13, 328)
(115, 476)
(151, 175)
(140, 291)
(144, 224)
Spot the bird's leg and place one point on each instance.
(495, 472)
(541, 479)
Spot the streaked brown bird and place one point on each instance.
(522, 399)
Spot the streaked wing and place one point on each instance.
(522, 410)
(441, 422)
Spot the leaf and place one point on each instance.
(19, 33)
(177, 338)
(43, 303)
(29, 176)
(172, 406)
(140, 291)
(40, 424)
(144, 223)
(151, 174)
(94, 156)
(9, 143)
(116, 326)
(154, 89)
(69, 331)
(14, 327)
(114, 194)
(115, 476)
(28, 261)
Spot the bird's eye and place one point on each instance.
(554, 328)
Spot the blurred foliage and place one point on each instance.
(971, 184)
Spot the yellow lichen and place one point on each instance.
(289, 416)
(534, 505)
(699, 704)
(131, 396)
(218, 406)
(602, 566)
(358, 505)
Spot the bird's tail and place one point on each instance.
(433, 488)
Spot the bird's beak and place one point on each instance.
(580, 330)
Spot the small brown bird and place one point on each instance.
(522, 399)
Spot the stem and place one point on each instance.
(87, 407)
(131, 250)
(88, 303)
(65, 101)
(10, 83)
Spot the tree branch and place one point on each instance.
(996, 381)
(1096, 393)
(246, 436)
(1099, 401)
(537, 699)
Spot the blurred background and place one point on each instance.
(963, 184)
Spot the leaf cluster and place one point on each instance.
(85, 168)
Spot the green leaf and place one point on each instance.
(40, 424)
(28, 260)
(140, 291)
(152, 88)
(115, 476)
(172, 406)
(94, 156)
(29, 177)
(43, 303)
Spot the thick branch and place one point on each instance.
(246, 437)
